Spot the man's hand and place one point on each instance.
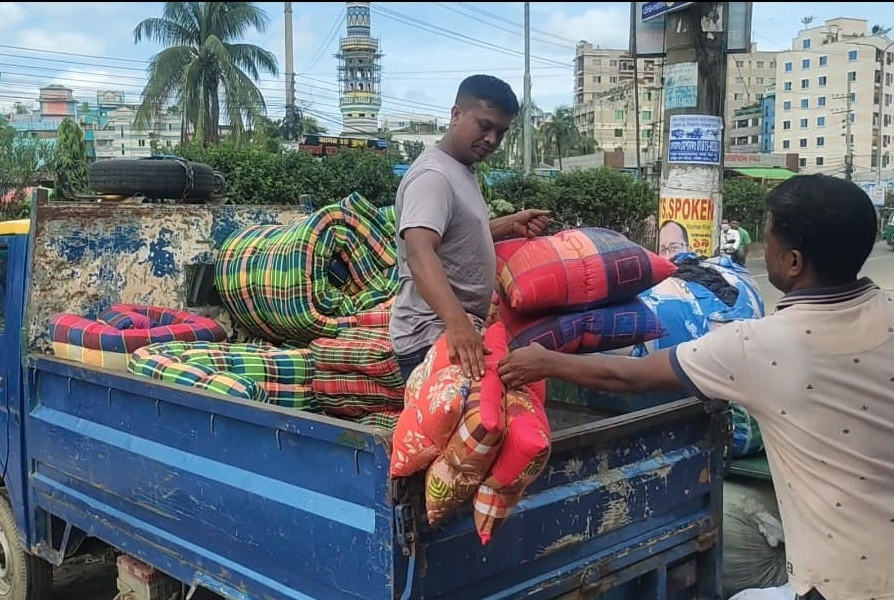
(466, 347)
(527, 224)
(525, 365)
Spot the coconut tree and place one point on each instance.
(560, 132)
(204, 67)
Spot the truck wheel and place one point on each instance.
(22, 575)
(153, 178)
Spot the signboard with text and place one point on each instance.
(695, 139)
(321, 144)
(649, 33)
(686, 224)
(653, 10)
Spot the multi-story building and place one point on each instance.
(833, 104)
(116, 137)
(745, 129)
(604, 103)
(768, 121)
(749, 77)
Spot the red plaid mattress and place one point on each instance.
(110, 343)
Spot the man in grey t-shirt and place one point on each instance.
(445, 241)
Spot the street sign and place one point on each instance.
(653, 10)
(695, 139)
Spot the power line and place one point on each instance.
(483, 12)
(413, 22)
(501, 28)
(333, 31)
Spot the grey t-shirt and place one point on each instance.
(441, 194)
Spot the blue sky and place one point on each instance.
(421, 69)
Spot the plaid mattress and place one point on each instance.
(305, 281)
(364, 351)
(355, 384)
(167, 368)
(346, 405)
(383, 420)
(283, 375)
(110, 341)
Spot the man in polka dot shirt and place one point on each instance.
(818, 375)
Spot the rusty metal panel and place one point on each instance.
(88, 256)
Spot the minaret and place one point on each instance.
(359, 74)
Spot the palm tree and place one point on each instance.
(560, 132)
(204, 67)
(513, 145)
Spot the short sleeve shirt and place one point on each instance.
(441, 194)
(818, 376)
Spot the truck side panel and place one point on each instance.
(259, 502)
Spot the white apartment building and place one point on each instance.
(749, 77)
(117, 137)
(832, 78)
(604, 105)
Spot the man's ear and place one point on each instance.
(795, 265)
(455, 112)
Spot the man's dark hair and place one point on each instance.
(831, 221)
(490, 89)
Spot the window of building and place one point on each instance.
(597, 79)
(819, 161)
(805, 103)
(647, 96)
(788, 86)
(597, 62)
(619, 114)
(802, 143)
(362, 115)
(823, 60)
(853, 118)
(821, 121)
(805, 44)
(852, 55)
(647, 134)
(740, 80)
(887, 99)
(122, 149)
(786, 144)
(754, 139)
(804, 123)
(759, 80)
(619, 133)
(760, 64)
(788, 67)
(852, 75)
(805, 83)
(822, 81)
(805, 63)
(613, 63)
(142, 143)
(802, 162)
(772, 64)
(786, 125)
(821, 101)
(820, 142)
(887, 120)
(168, 143)
(737, 96)
(740, 63)
(853, 96)
(647, 115)
(787, 105)
(613, 80)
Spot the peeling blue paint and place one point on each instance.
(75, 246)
(161, 257)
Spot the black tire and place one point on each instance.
(24, 576)
(153, 178)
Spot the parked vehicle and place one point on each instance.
(256, 501)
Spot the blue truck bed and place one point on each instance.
(259, 502)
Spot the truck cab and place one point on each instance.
(255, 501)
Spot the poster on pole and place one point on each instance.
(685, 224)
(695, 139)
(681, 85)
(653, 10)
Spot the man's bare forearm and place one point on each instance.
(502, 228)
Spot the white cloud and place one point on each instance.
(11, 14)
(68, 41)
(607, 26)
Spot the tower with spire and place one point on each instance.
(359, 74)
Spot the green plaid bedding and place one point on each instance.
(364, 351)
(382, 420)
(283, 377)
(301, 282)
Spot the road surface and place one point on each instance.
(879, 267)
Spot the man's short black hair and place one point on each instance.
(490, 89)
(831, 221)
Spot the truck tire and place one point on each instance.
(22, 575)
(153, 178)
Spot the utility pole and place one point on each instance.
(694, 93)
(639, 165)
(291, 116)
(528, 125)
(849, 158)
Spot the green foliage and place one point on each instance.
(745, 201)
(412, 150)
(560, 134)
(72, 174)
(23, 161)
(585, 197)
(205, 67)
(257, 176)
